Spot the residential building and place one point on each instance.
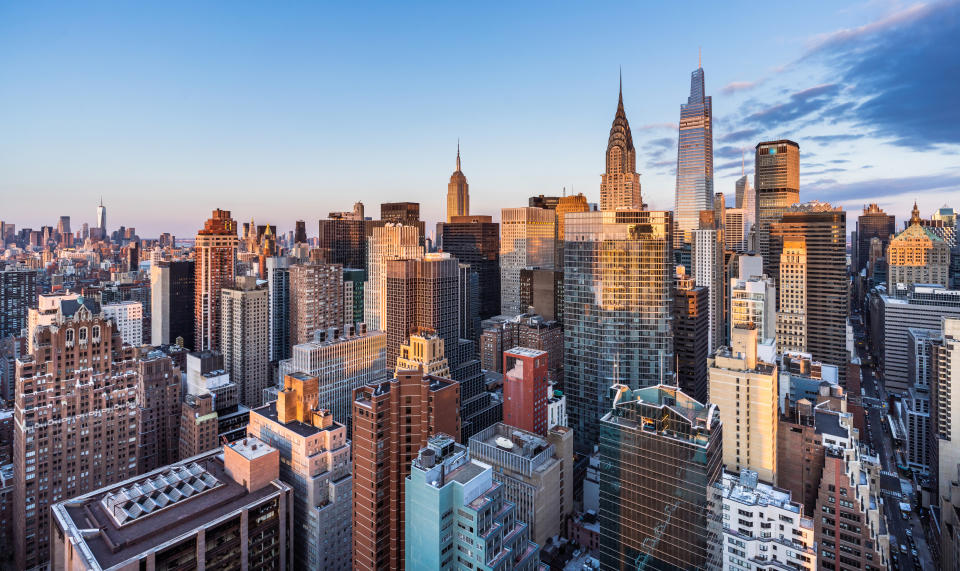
(234, 514)
(618, 308)
(18, 294)
(199, 425)
(342, 361)
(536, 472)
(458, 192)
(662, 449)
(128, 316)
(424, 352)
(763, 528)
(447, 490)
(918, 256)
(528, 239)
(316, 299)
(392, 420)
(159, 404)
(172, 296)
(620, 185)
(744, 388)
(75, 419)
(823, 228)
(215, 257)
(315, 462)
(525, 391)
(792, 317)
(777, 186)
(694, 189)
(245, 338)
(391, 242)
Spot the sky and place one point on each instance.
(286, 111)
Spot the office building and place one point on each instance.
(172, 298)
(475, 240)
(536, 472)
(528, 239)
(300, 232)
(468, 303)
(777, 186)
(694, 189)
(541, 292)
(691, 329)
(102, 221)
(746, 199)
(392, 420)
(620, 185)
(709, 271)
(918, 256)
(316, 299)
(873, 223)
(406, 213)
(216, 253)
(745, 390)
(343, 240)
(75, 412)
(353, 279)
(424, 352)
(447, 490)
(246, 338)
(458, 193)
(421, 295)
(824, 230)
(892, 316)
(525, 389)
(662, 449)
(391, 242)
(18, 293)
(566, 204)
(944, 453)
(315, 462)
(223, 509)
(752, 536)
(342, 361)
(128, 316)
(278, 294)
(159, 404)
(618, 308)
(736, 230)
(792, 317)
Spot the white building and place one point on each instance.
(128, 315)
(753, 302)
(708, 271)
(763, 528)
(556, 408)
(527, 239)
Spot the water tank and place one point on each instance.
(428, 458)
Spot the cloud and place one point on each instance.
(834, 138)
(735, 86)
(800, 104)
(741, 135)
(832, 191)
(663, 143)
(655, 126)
(728, 152)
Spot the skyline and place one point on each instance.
(163, 106)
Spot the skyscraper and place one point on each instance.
(172, 298)
(618, 307)
(158, 400)
(824, 230)
(918, 256)
(691, 330)
(620, 185)
(792, 317)
(777, 186)
(746, 199)
(392, 420)
(300, 232)
(215, 258)
(245, 342)
(873, 223)
(661, 449)
(709, 271)
(316, 300)
(458, 192)
(393, 241)
(278, 291)
(315, 461)
(528, 238)
(102, 220)
(475, 240)
(694, 190)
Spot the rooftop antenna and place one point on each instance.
(699, 57)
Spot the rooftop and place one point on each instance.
(251, 447)
(269, 411)
(746, 489)
(110, 542)
(525, 352)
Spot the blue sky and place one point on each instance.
(285, 111)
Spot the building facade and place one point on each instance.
(528, 239)
(245, 338)
(694, 189)
(216, 254)
(525, 390)
(316, 299)
(792, 317)
(128, 316)
(458, 192)
(777, 186)
(172, 295)
(873, 223)
(918, 256)
(691, 328)
(475, 240)
(391, 242)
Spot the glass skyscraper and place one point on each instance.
(660, 471)
(694, 191)
(618, 305)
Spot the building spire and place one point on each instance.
(621, 85)
(458, 154)
(700, 57)
(915, 215)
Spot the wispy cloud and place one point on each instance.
(735, 86)
(656, 126)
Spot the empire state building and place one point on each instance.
(458, 193)
(620, 186)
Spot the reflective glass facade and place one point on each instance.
(618, 305)
(694, 191)
(660, 475)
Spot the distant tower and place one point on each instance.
(458, 192)
(620, 186)
(694, 190)
(102, 219)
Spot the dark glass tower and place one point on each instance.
(873, 223)
(475, 240)
(694, 190)
(660, 471)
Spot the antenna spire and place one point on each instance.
(458, 154)
(621, 84)
(700, 57)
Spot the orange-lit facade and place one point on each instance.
(216, 254)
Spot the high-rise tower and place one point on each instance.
(694, 190)
(458, 192)
(216, 254)
(620, 186)
(777, 186)
(102, 219)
